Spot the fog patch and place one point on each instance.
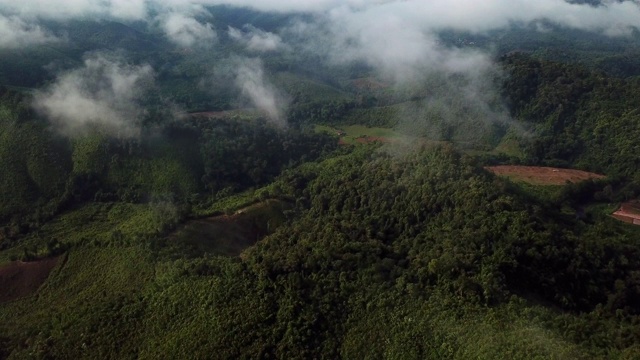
(464, 109)
(258, 91)
(104, 93)
(76, 9)
(187, 32)
(16, 33)
(256, 40)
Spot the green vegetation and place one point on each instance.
(354, 134)
(231, 233)
(368, 131)
(227, 236)
(305, 90)
(580, 117)
(424, 256)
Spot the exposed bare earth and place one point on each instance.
(229, 235)
(629, 212)
(537, 175)
(19, 279)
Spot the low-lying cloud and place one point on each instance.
(255, 88)
(460, 14)
(256, 40)
(67, 9)
(105, 92)
(16, 33)
(397, 38)
(186, 31)
(402, 18)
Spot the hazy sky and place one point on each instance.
(19, 25)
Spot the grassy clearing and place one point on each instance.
(359, 130)
(357, 134)
(509, 146)
(381, 116)
(226, 205)
(326, 129)
(308, 88)
(361, 134)
(604, 209)
(238, 114)
(542, 192)
(414, 115)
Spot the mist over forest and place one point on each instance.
(320, 179)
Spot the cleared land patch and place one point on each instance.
(538, 175)
(358, 134)
(629, 212)
(307, 88)
(19, 279)
(239, 113)
(230, 234)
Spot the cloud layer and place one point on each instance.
(398, 38)
(614, 18)
(467, 14)
(15, 33)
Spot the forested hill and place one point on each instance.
(423, 256)
(182, 160)
(309, 181)
(581, 117)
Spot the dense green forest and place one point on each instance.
(426, 256)
(290, 204)
(583, 117)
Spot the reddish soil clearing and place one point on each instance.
(536, 175)
(19, 279)
(629, 213)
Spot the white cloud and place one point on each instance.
(400, 37)
(613, 18)
(104, 92)
(256, 40)
(65, 9)
(128, 9)
(250, 79)
(397, 37)
(15, 32)
(187, 31)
